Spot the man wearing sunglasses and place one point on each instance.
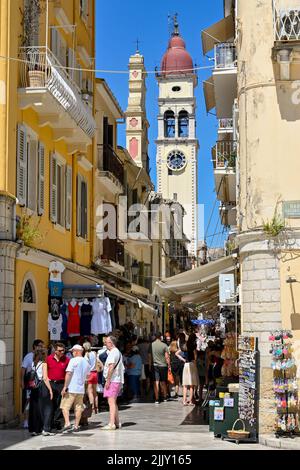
(57, 364)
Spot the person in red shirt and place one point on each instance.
(57, 364)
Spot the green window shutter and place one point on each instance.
(79, 220)
(53, 188)
(41, 179)
(68, 197)
(32, 165)
(21, 164)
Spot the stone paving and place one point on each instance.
(145, 426)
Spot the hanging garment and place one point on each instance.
(64, 326)
(55, 289)
(101, 321)
(73, 320)
(85, 319)
(54, 327)
(54, 308)
(56, 268)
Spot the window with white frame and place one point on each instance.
(59, 46)
(30, 170)
(82, 208)
(60, 192)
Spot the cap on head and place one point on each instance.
(77, 347)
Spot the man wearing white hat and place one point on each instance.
(74, 388)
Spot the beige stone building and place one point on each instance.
(255, 91)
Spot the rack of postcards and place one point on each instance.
(248, 384)
(285, 384)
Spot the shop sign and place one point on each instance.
(219, 413)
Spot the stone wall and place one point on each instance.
(261, 314)
(8, 250)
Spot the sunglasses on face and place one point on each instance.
(60, 350)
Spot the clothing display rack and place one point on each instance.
(285, 384)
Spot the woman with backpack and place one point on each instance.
(40, 409)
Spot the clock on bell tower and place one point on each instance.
(177, 145)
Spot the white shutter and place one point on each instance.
(62, 201)
(53, 189)
(68, 197)
(54, 41)
(84, 209)
(62, 51)
(79, 228)
(21, 164)
(71, 62)
(41, 182)
(32, 165)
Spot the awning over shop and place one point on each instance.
(81, 279)
(199, 285)
(209, 94)
(146, 307)
(221, 31)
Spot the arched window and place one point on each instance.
(183, 124)
(28, 296)
(169, 124)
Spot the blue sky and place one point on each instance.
(118, 24)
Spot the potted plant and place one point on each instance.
(28, 231)
(32, 53)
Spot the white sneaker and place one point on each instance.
(109, 427)
(47, 433)
(119, 425)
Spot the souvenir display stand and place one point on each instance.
(285, 384)
(247, 424)
(230, 356)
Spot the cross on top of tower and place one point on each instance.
(176, 25)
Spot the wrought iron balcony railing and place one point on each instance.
(113, 250)
(224, 155)
(225, 56)
(41, 69)
(225, 123)
(286, 23)
(108, 161)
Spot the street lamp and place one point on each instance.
(135, 268)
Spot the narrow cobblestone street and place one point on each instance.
(145, 426)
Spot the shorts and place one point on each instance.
(147, 371)
(160, 373)
(113, 390)
(71, 399)
(93, 378)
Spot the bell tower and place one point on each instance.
(136, 120)
(177, 145)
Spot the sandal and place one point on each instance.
(185, 403)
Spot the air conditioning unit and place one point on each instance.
(290, 25)
(226, 288)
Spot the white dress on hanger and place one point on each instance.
(101, 321)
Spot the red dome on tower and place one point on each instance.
(177, 59)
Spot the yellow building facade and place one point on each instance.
(46, 181)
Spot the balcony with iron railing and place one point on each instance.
(224, 160)
(225, 125)
(110, 167)
(286, 22)
(113, 250)
(48, 86)
(224, 155)
(224, 79)
(225, 56)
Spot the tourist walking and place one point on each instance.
(190, 378)
(74, 388)
(91, 357)
(114, 379)
(26, 367)
(57, 364)
(134, 366)
(40, 407)
(176, 366)
(160, 359)
(143, 345)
